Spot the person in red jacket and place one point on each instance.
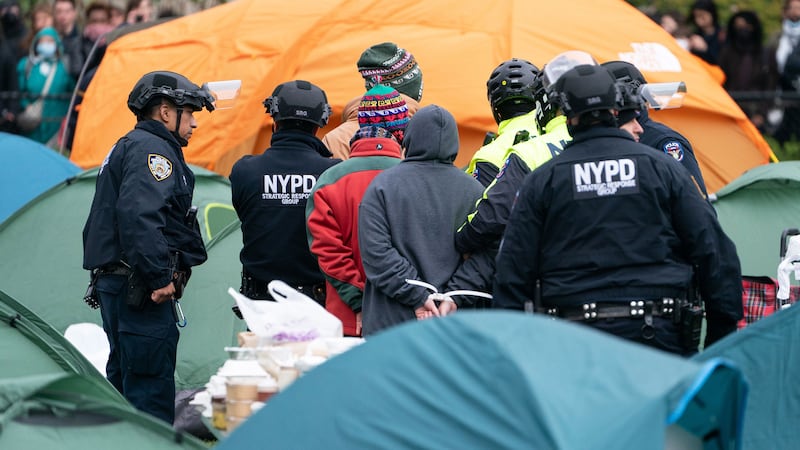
(332, 208)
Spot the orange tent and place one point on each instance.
(456, 42)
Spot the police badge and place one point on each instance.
(160, 166)
(674, 149)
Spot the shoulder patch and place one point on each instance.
(160, 167)
(674, 149)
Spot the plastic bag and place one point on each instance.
(293, 317)
(31, 116)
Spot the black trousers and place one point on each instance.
(666, 335)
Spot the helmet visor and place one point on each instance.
(562, 63)
(225, 92)
(664, 95)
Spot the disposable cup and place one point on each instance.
(242, 388)
(238, 408)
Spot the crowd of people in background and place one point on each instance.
(48, 51)
(755, 65)
(761, 72)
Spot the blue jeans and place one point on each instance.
(144, 345)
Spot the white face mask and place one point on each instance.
(46, 49)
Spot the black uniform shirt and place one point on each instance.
(665, 139)
(138, 215)
(612, 220)
(269, 193)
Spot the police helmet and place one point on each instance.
(629, 82)
(511, 81)
(625, 71)
(584, 89)
(173, 86)
(630, 102)
(299, 100)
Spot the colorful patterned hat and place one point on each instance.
(383, 107)
(393, 66)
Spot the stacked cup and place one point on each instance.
(241, 392)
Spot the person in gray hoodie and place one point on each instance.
(407, 221)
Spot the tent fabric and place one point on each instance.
(73, 412)
(30, 169)
(29, 347)
(768, 354)
(42, 269)
(498, 379)
(52, 397)
(457, 44)
(755, 208)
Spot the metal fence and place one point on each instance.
(13, 98)
(775, 113)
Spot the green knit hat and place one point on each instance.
(388, 64)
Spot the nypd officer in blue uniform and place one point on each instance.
(141, 240)
(656, 134)
(611, 230)
(270, 191)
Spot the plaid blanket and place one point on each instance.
(759, 296)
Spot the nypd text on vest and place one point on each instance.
(608, 177)
(289, 188)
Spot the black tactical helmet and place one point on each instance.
(629, 81)
(545, 109)
(585, 88)
(299, 100)
(176, 87)
(625, 71)
(512, 80)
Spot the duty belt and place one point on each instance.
(118, 268)
(258, 289)
(663, 307)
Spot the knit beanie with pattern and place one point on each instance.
(393, 66)
(383, 107)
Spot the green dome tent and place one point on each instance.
(31, 347)
(500, 379)
(52, 397)
(42, 259)
(755, 208)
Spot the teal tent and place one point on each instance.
(499, 379)
(29, 169)
(41, 267)
(755, 208)
(768, 354)
(51, 397)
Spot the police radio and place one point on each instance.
(191, 216)
(490, 136)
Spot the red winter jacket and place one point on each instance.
(332, 224)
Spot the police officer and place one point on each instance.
(510, 92)
(656, 134)
(141, 240)
(610, 230)
(270, 191)
(484, 226)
